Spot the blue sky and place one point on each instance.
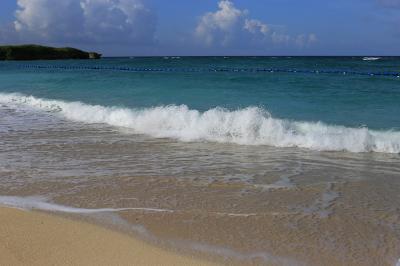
(207, 27)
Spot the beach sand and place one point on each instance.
(35, 238)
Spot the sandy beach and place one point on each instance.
(34, 238)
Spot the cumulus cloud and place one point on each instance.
(222, 25)
(84, 21)
(126, 19)
(230, 25)
(43, 19)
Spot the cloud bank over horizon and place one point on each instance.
(230, 25)
(214, 27)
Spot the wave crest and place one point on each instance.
(248, 126)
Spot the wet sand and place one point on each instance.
(337, 224)
(33, 238)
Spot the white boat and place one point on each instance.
(371, 58)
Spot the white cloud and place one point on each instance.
(304, 40)
(45, 20)
(221, 25)
(128, 20)
(280, 38)
(85, 21)
(255, 26)
(230, 25)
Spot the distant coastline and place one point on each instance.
(38, 52)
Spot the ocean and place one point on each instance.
(282, 160)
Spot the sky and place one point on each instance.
(206, 27)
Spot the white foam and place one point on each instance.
(257, 258)
(249, 126)
(40, 203)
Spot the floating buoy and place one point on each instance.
(212, 69)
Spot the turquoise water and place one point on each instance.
(337, 99)
(333, 99)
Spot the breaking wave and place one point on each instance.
(248, 126)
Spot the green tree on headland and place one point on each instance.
(38, 52)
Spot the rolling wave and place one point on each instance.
(248, 126)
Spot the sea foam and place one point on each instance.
(248, 126)
(40, 203)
